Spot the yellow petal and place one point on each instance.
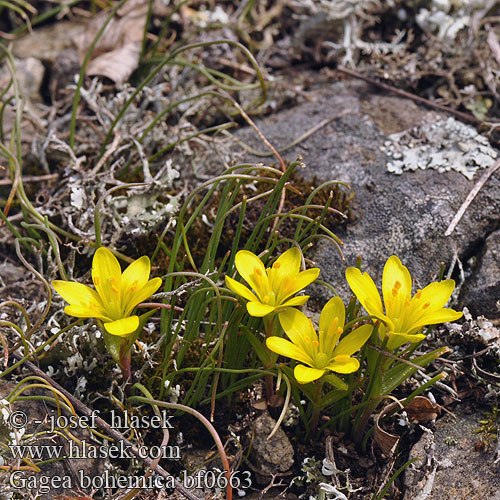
(137, 273)
(443, 315)
(425, 306)
(240, 289)
(353, 341)
(396, 287)
(286, 348)
(398, 339)
(287, 264)
(304, 374)
(142, 294)
(123, 327)
(78, 294)
(293, 284)
(253, 272)
(299, 300)
(343, 364)
(334, 308)
(84, 312)
(258, 309)
(365, 290)
(299, 329)
(106, 275)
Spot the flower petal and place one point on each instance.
(287, 264)
(353, 341)
(426, 304)
(334, 308)
(107, 275)
(343, 364)
(253, 272)
(396, 287)
(84, 312)
(398, 339)
(299, 329)
(286, 348)
(443, 315)
(304, 374)
(142, 294)
(137, 273)
(365, 290)
(299, 300)
(122, 327)
(78, 294)
(259, 309)
(293, 284)
(240, 289)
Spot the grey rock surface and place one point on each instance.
(484, 286)
(404, 214)
(449, 466)
(270, 456)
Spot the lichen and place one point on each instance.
(443, 145)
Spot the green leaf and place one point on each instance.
(401, 371)
(337, 382)
(263, 353)
(331, 397)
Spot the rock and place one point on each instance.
(407, 214)
(450, 466)
(270, 456)
(484, 286)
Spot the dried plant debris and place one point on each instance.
(443, 145)
(338, 28)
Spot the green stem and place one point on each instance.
(313, 424)
(268, 327)
(372, 396)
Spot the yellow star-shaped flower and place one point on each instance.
(115, 295)
(404, 315)
(320, 353)
(273, 286)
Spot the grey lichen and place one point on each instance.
(443, 145)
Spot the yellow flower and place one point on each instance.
(319, 353)
(274, 285)
(116, 294)
(404, 315)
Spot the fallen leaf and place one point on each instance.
(385, 441)
(422, 409)
(117, 52)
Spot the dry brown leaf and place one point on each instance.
(117, 52)
(422, 409)
(385, 441)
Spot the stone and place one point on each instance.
(451, 466)
(270, 456)
(406, 214)
(484, 286)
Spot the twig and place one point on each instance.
(31, 178)
(464, 116)
(109, 151)
(489, 172)
(85, 410)
(494, 45)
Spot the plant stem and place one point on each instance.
(268, 328)
(372, 395)
(313, 424)
(126, 369)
